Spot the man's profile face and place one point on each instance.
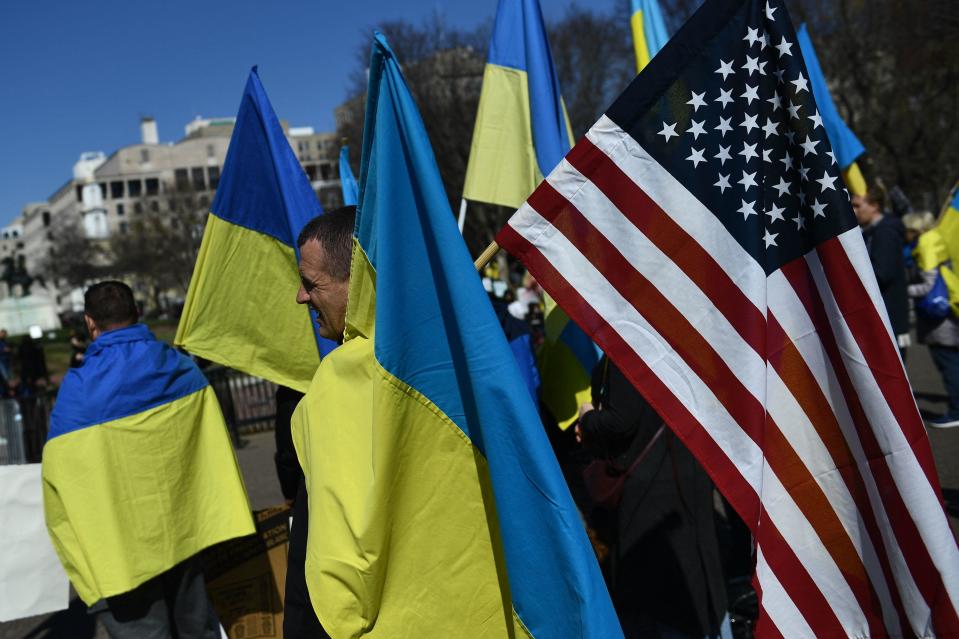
(865, 210)
(326, 295)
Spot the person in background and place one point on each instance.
(665, 570)
(937, 330)
(884, 236)
(916, 223)
(32, 362)
(6, 355)
(78, 347)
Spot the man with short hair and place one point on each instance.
(326, 249)
(139, 476)
(884, 236)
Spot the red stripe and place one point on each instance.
(792, 368)
(663, 231)
(916, 555)
(782, 457)
(881, 354)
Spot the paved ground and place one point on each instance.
(256, 462)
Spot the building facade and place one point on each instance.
(106, 193)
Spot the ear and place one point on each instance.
(91, 326)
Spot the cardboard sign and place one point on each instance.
(246, 578)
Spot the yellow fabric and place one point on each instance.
(854, 180)
(400, 502)
(241, 308)
(129, 499)
(639, 41)
(948, 228)
(565, 383)
(502, 165)
(931, 252)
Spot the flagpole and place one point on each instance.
(462, 218)
(488, 254)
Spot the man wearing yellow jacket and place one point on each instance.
(139, 476)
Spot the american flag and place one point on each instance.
(701, 234)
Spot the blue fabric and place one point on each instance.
(519, 42)
(263, 187)
(347, 181)
(124, 372)
(437, 332)
(654, 27)
(583, 348)
(845, 144)
(935, 303)
(955, 201)
(522, 348)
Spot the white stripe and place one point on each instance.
(812, 554)
(788, 309)
(668, 366)
(920, 499)
(852, 242)
(778, 604)
(690, 214)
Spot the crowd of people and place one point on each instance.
(649, 506)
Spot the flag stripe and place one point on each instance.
(734, 398)
(635, 205)
(795, 371)
(780, 610)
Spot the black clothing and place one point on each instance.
(33, 363)
(665, 561)
(884, 241)
(299, 618)
(172, 604)
(288, 469)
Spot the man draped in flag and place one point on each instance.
(436, 506)
(844, 142)
(701, 235)
(263, 200)
(521, 133)
(649, 30)
(139, 476)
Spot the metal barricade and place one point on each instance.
(247, 402)
(12, 450)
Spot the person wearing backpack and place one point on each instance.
(936, 323)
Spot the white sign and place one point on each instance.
(32, 581)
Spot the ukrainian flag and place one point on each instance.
(241, 308)
(521, 131)
(138, 470)
(436, 506)
(347, 181)
(845, 144)
(649, 31)
(948, 225)
(521, 134)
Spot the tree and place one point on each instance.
(160, 245)
(73, 258)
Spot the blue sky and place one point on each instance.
(77, 76)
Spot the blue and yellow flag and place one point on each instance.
(521, 134)
(347, 181)
(948, 226)
(241, 308)
(845, 144)
(649, 30)
(437, 508)
(521, 131)
(138, 470)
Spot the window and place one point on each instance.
(311, 172)
(120, 210)
(79, 192)
(16, 233)
(210, 151)
(135, 188)
(204, 202)
(123, 228)
(325, 171)
(213, 173)
(138, 207)
(182, 179)
(155, 206)
(50, 235)
(144, 156)
(153, 186)
(172, 204)
(20, 245)
(46, 218)
(199, 180)
(116, 190)
(103, 190)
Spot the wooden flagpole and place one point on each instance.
(488, 254)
